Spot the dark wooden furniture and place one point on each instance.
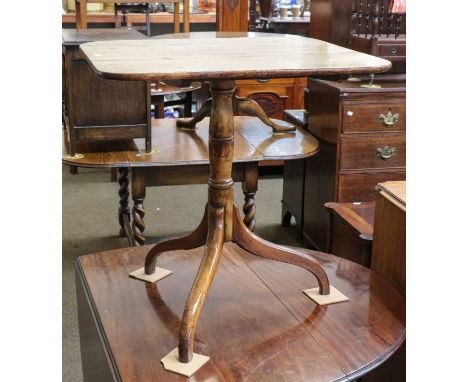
(214, 59)
(97, 108)
(232, 15)
(82, 18)
(351, 228)
(376, 30)
(330, 20)
(183, 89)
(264, 329)
(362, 142)
(293, 179)
(291, 25)
(181, 157)
(389, 247)
(364, 25)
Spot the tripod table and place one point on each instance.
(222, 63)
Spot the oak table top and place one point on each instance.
(253, 142)
(213, 58)
(255, 326)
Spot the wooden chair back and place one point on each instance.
(375, 18)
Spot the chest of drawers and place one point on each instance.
(362, 143)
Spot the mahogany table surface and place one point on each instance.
(253, 142)
(256, 324)
(213, 58)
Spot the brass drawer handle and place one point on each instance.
(263, 80)
(386, 152)
(389, 119)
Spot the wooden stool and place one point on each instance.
(255, 326)
(221, 226)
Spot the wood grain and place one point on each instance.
(242, 58)
(360, 151)
(389, 248)
(75, 37)
(253, 143)
(263, 329)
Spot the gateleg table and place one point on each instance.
(180, 156)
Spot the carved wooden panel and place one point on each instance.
(232, 15)
(271, 103)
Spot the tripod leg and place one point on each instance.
(260, 247)
(251, 107)
(206, 272)
(193, 240)
(204, 111)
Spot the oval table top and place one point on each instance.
(253, 142)
(256, 324)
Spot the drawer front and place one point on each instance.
(391, 50)
(378, 117)
(266, 81)
(361, 187)
(368, 152)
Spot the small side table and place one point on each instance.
(222, 63)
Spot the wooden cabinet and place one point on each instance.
(98, 108)
(274, 95)
(362, 142)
